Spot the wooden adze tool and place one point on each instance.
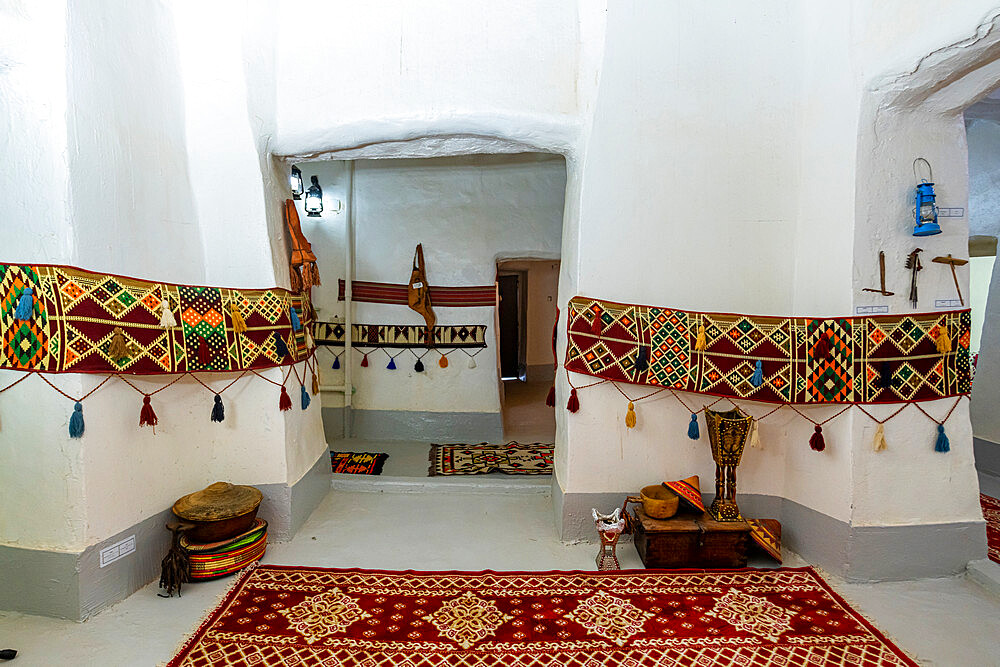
(953, 262)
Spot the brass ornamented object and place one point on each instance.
(728, 432)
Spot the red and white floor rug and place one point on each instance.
(991, 512)
(280, 615)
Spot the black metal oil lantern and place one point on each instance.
(314, 199)
(926, 214)
(296, 182)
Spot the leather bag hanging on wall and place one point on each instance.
(418, 293)
(303, 271)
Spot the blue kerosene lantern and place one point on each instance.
(926, 214)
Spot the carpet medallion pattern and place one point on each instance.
(635, 618)
(513, 458)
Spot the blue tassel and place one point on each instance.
(336, 363)
(693, 432)
(76, 422)
(280, 346)
(942, 444)
(296, 325)
(218, 410)
(392, 364)
(758, 375)
(305, 398)
(642, 360)
(25, 306)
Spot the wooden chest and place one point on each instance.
(691, 540)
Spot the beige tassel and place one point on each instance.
(315, 384)
(755, 435)
(310, 343)
(630, 415)
(878, 444)
(943, 340)
(118, 347)
(239, 324)
(167, 320)
(700, 343)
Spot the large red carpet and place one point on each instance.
(279, 615)
(991, 512)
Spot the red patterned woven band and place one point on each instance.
(880, 359)
(85, 322)
(312, 616)
(448, 297)
(767, 534)
(688, 491)
(991, 512)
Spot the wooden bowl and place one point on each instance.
(659, 502)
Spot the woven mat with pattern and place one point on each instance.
(512, 459)
(284, 615)
(358, 463)
(991, 512)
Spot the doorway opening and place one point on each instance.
(526, 313)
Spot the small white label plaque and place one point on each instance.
(947, 303)
(117, 550)
(871, 310)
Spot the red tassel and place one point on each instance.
(597, 325)
(821, 350)
(574, 403)
(204, 358)
(364, 361)
(550, 400)
(816, 441)
(146, 416)
(285, 401)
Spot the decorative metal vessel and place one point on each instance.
(728, 432)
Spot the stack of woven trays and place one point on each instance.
(218, 559)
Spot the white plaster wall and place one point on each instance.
(467, 212)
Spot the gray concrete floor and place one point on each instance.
(939, 621)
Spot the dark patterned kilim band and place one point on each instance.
(448, 297)
(86, 322)
(880, 359)
(401, 335)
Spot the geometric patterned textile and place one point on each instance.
(218, 559)
(991, 512)
(358, 463)
(512, 459)
(877, 359)
(305, 616)
(449, 297)
(76, 314)
(401, 336)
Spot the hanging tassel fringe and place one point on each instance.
(758, 374)
(693, 431)
(305, 397)
(443, 361)
(280, 346)
(419, 366)
(364, 360)
(943, 341)
(218, 410)
(573, 404)
(204, 357)
(76, 421)
(630, 415)
(313, 273)
(700, 343)
(392, 364)
(310, 343)
(167, 320)
(315, 383)
(642, 360)
(821, 350)
(884, 376)
(25, 305)
(294, 317)
(596, 325)
(118, 347)
(550, 398)
(336, 363)
(239, 324)
(175, 568)
(146, 416)
(472, 362)
(942, 444)
(755, 435)
(295, 278)
(284, 401)
(816, 441)
(879, 443)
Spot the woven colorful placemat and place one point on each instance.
(282, 615)
(358, 463)
(512, 458)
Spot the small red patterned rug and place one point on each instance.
(991, 512)
(635, 618)
(511, 459)
(358, 463)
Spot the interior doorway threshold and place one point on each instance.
(466, 484)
